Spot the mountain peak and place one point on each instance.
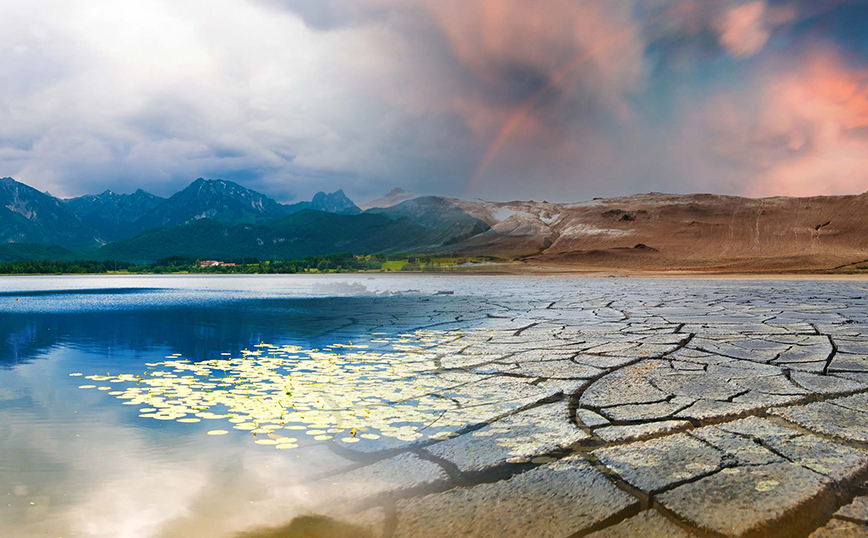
(218, 199)
(336, 202)
(202, 181)
(392, 198)
(105, 194)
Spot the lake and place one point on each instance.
(150, 406)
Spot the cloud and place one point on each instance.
(158, 93)
(820, 114)
(495, 98)
(124, 483)
(744, 29)
(799, 132)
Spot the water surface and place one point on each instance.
(76, 461)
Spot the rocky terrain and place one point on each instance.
(665, 231)
(30, 216)
(679, 409)
(114, 216)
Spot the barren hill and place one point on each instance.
(666, 231)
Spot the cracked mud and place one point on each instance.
(668, 411)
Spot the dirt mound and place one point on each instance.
(696, 231)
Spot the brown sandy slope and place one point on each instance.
(664, 231)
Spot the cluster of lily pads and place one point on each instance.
(281, 394)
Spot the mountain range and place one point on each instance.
(221, 219)
(113, 216)
(118, 216)
(30, 216)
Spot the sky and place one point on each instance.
(558, 100)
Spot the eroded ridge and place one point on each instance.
(689, 410)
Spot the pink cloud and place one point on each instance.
(799, 133)
(822, 111)
(742, 28)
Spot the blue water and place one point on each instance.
(78, 463)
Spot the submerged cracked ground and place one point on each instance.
(513, 407)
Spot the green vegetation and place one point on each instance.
(45, 267)
(305, 233)
(328, 263)
(16, 252)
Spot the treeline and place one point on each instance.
(177, 264)
(44, 267)
(323, 264)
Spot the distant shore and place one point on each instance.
(517, 269)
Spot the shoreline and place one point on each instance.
(511, 270)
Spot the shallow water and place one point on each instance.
(203, 406)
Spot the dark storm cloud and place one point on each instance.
(561, 99)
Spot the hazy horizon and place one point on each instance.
(361, 202)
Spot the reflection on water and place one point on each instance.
(74, 462)
(202, 332)
(311, 527)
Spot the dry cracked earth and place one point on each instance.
(675, 410)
